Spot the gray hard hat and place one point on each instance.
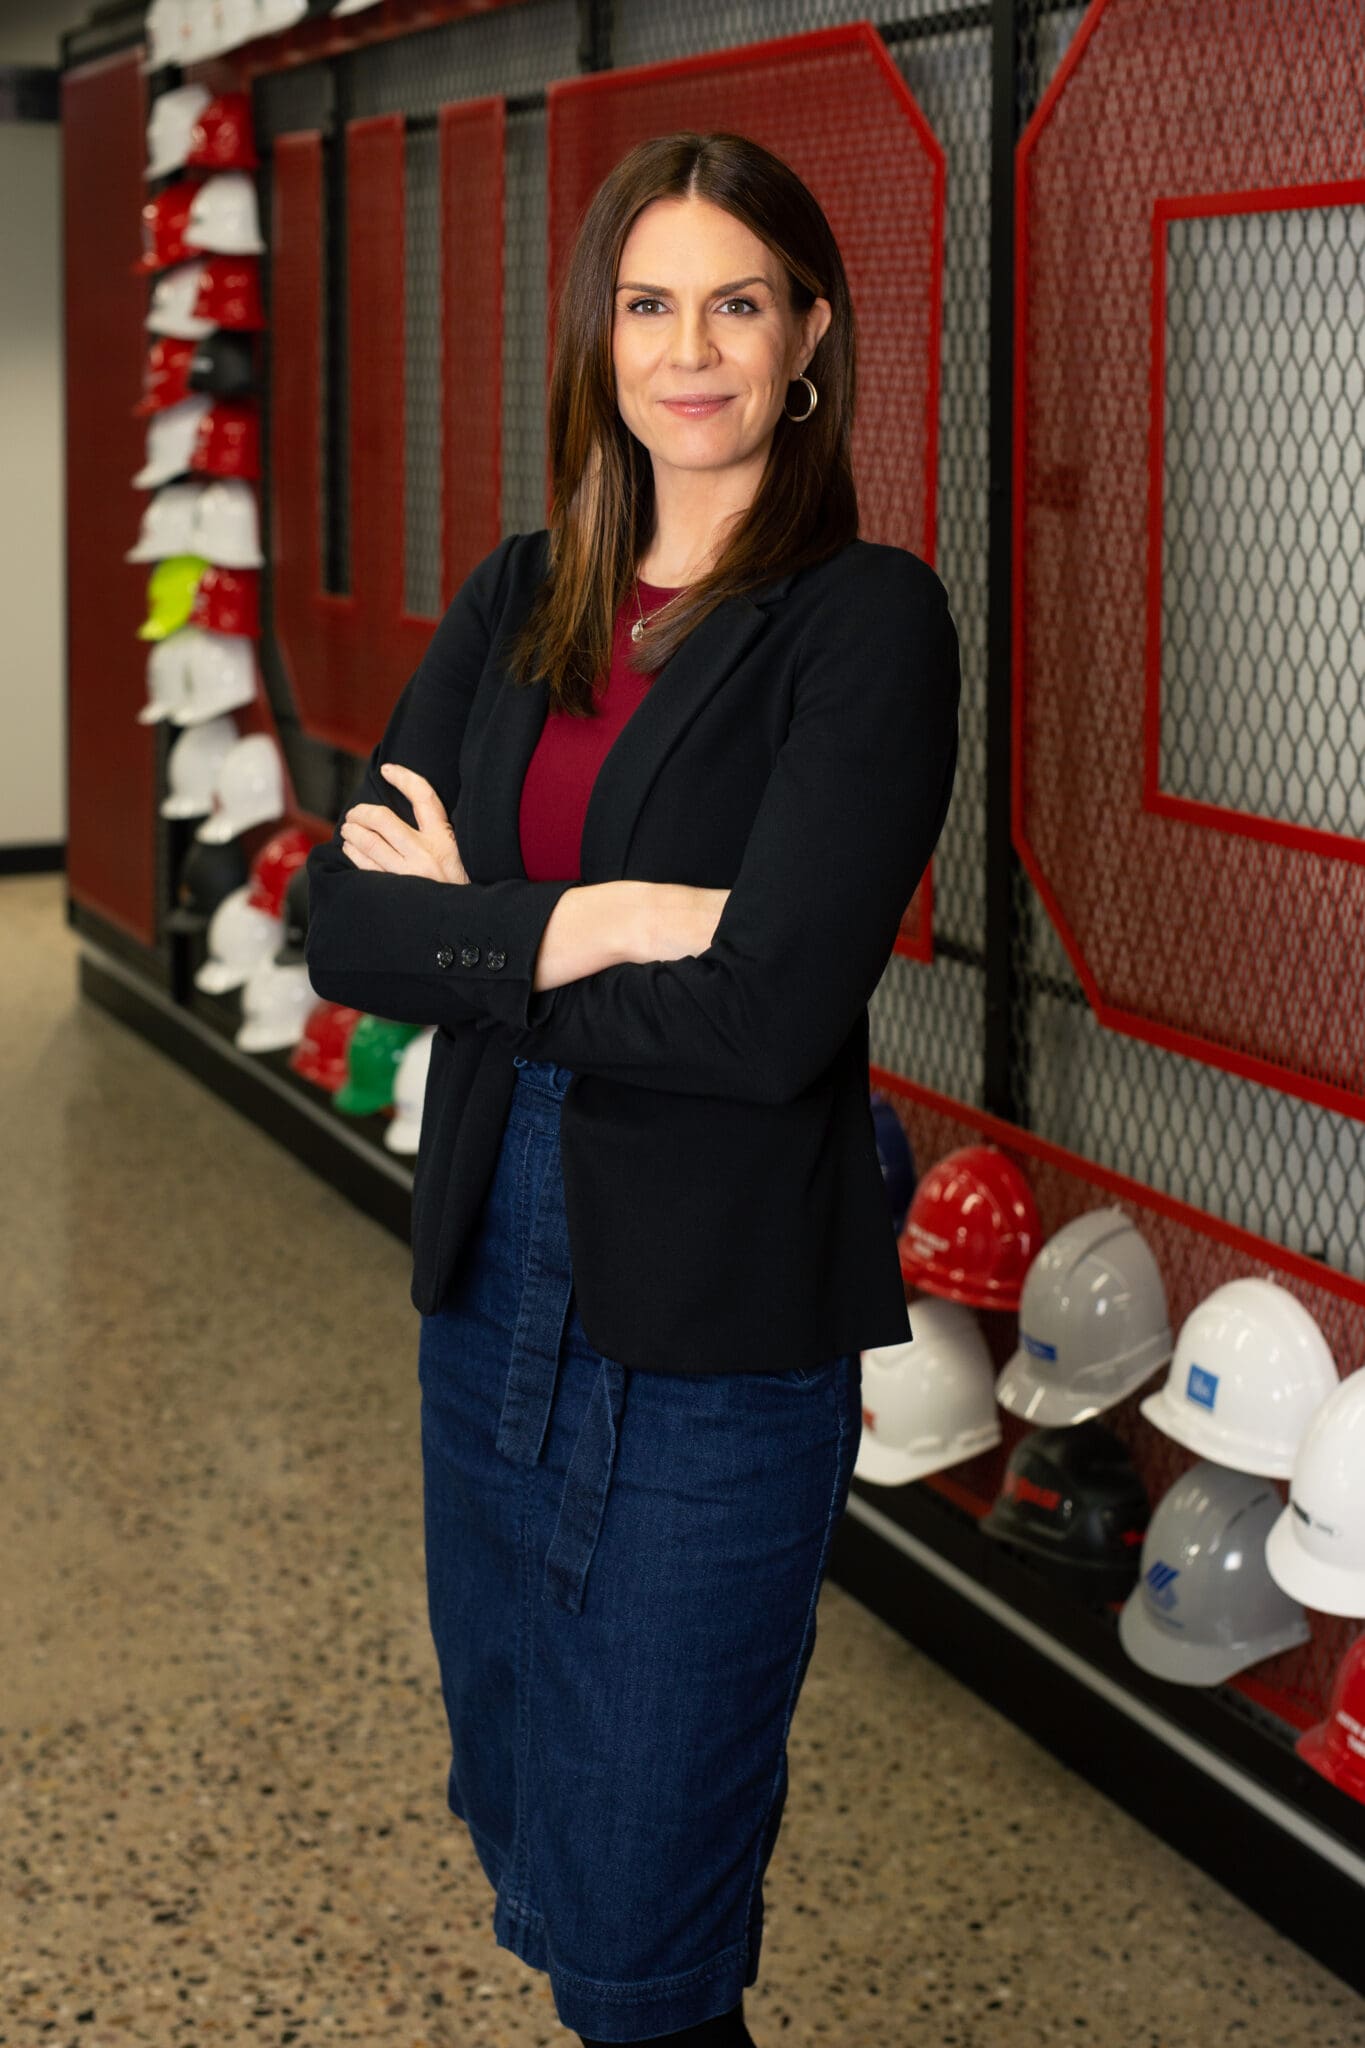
(1205, 1605)
(1093, 1323)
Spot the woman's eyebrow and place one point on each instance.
(631, 285)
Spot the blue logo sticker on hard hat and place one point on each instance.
(1202, 1386)
(1036, 1348)
(1161, 1580)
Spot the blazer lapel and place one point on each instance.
(486, 815)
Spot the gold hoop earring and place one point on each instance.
(814, 400)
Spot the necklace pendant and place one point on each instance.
(637, 631)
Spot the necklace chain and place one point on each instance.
(637, 631)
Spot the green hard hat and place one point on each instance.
(371, 1063)
(170, 595)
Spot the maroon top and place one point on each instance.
(569, 752)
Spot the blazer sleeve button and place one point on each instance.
(469, 956)
(496, 957)
(444, 956)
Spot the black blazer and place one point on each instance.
(725, 1203)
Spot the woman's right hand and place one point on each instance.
(677, 920)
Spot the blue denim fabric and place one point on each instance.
(622, 1573)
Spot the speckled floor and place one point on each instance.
(222, 1750)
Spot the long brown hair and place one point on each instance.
(806, 505)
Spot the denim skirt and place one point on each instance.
(622, 1574)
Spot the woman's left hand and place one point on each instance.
(375, 837)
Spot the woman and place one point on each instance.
(638, 839)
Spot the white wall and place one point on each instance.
(32, 428)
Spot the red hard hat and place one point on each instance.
(228, 440)
(228, 601)
(166, 376)
(230, 292)
(221, 139)
(321, 1054)
(972, 1230)
(1336, 1746)
(163, 227)
(278, 860)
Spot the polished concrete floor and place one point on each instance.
(222, 1750)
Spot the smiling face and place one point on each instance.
(702, 311)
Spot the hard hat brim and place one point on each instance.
(1173, 1420)
(1183, 1662)
(1327, 1588)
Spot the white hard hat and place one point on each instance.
(168, 679)
(222, 674)
(1205, 1605)
(1093, 1323)
(1251, 1368)
(351, 7)
(173, 301)
(1316, 1550)
(240, 938)
(223, 217)
(192, 768)
(167, 521)
(227, 526)
(409, 1092)
(273, 15)
(275, 1002)
(163, 29)
(170, 124)
(930, 1401)
(249, 789)
(171, 436)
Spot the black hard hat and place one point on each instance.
(223, 363)
(295, 919)
(1072, 1500)
(207, 874)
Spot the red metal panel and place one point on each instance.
(1243, 951)
(1196, 1252)
(833, 106)
(111, 759)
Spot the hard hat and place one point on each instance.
(228, 439)
(228, 294)
(192, 768)
(1250, 1370)
(226, 525)
(175, 307)
(170, 126)
(221, 136)
(930, 1401)
(224, 366)
(1093, 1323)
(168, 680)
(171, 438)
(240, 938)
(273, 15)
(320, 1055)
(165, 217)
(1205, 1605)
(198, 33)
(351, 7)
(170, 595)
(1336, 1746)
(236, 23)
(228, 601)
(222, 217)
(275, 1002)
(972, 1229)
(377, 1045)
(404, 1132)
(207, 875)
(249, 789)
(222, 675)
(163, 27)
(1072, 1501)
(281, 856)
(165, 376)
(896, 1159)
(168, 523)
(1316, 1549)
(295, 919)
